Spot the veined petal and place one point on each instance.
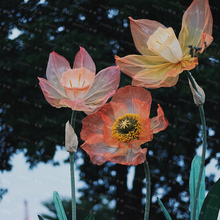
(130, 95)
(77, 105)
(159, 122)
(92, 128)
(127, 157)
(96, 151)
(83, 59)
(52, 96)
(141, 30)
(197, 20)
(55, 67)
(146, 71)
(104, 86)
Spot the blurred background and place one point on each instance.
(32, 131)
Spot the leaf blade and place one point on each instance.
(59, 207)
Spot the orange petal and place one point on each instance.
(159, 122)
(55, 67)
(130, 94)
(83, 59)
(127, 157)
(197, 20)
(52, 96)
(141, 30)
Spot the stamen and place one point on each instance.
(79, 79)
(83, 83)
(159, 43)
(71, 83)
(127, 128)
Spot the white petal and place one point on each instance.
(71, 140)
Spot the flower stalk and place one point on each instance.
(72, 175)
(204, 134)
(148, 190)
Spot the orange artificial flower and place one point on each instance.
(78, 88)
(116, 132)
(164, 56)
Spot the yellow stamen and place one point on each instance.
(127, 127)
(159, 42)
(79, 79)
(71, 83)
(83, 83)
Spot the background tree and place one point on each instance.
(29, 124)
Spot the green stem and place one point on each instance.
(72, 175)
(147, 205)
(203, 121)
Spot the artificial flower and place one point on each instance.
(164, 56)
(116, 132)
(78, 88)
(71, 140)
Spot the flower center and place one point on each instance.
(164, 42)
(127, 127)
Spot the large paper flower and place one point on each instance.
(116, 132)
(164, 56)
(78, 88)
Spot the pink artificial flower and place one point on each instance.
(164, 56)
(116, 132)
(78, 88)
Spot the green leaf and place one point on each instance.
(165, 212)
(39, 217)
(211, 205)
(59, 207)
(90, 217)
(194, 174)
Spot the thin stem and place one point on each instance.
(147, 205)
(203, 121)
(204, 134)
(72, 175)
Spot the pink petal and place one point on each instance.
(127, 157)
(52, 96)
(197, 20)
(104, 86)
(77, 105)
(159, 122)
(55, 67)
(83, 59)
(141, 30)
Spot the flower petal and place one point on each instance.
(52, 96)
(127, 157)
(159, 122)
(71, 140)
(104, 86)
(146, 71)
(92, 128)
(141, 30)
(55, 67)
(96, 151)
(196, 20)
(77, 105)
(129, 95)
(83, 59)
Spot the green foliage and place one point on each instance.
(90, 217)
(59, 207)
(165, 212)
(211, 205)
(194, 174)
(39, 217)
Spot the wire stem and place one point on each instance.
(148, 191)
(72, 175)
